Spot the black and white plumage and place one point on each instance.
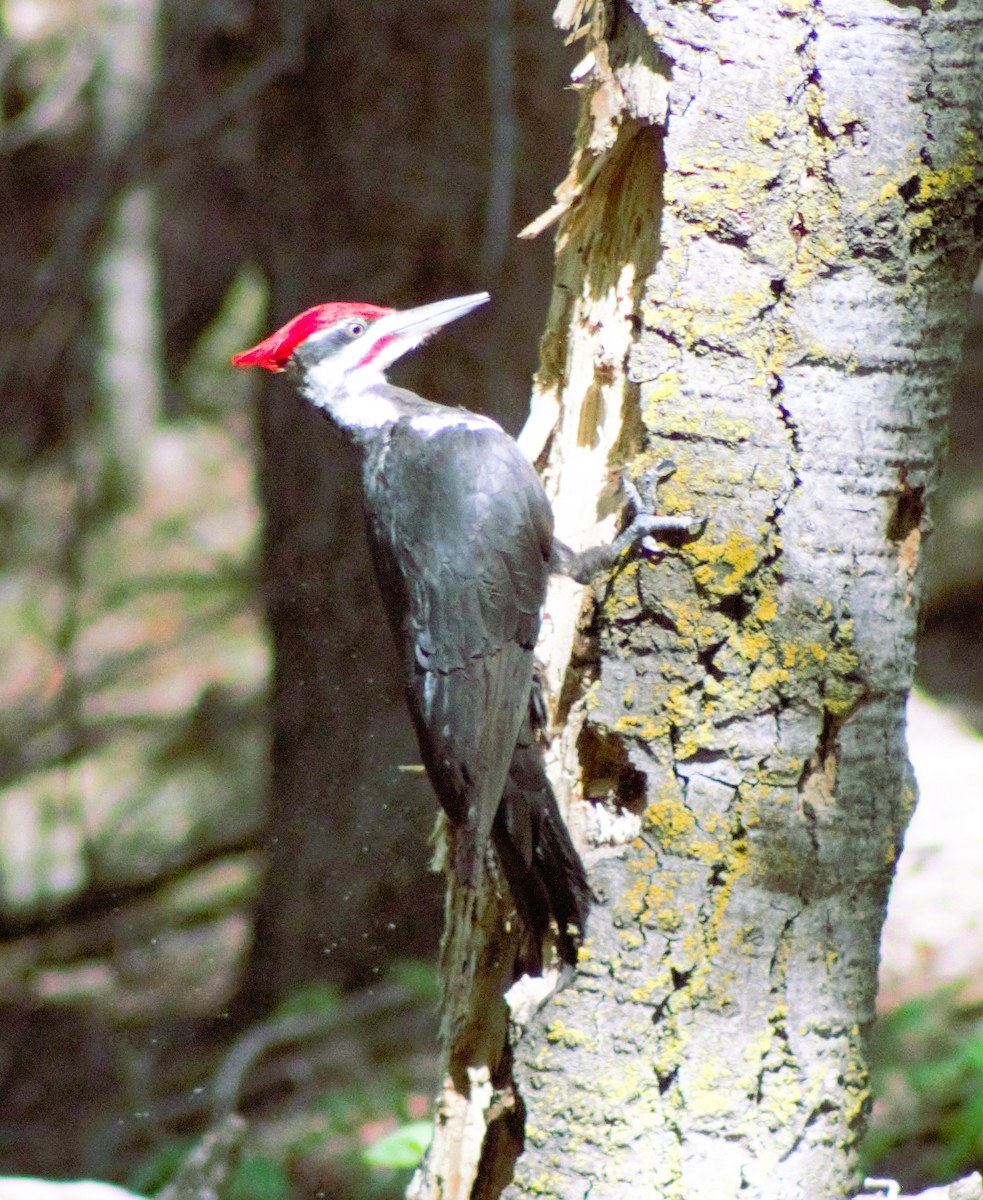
(463, 560)
(461, 533)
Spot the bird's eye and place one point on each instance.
(356, 328)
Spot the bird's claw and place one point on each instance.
(648, 527)
(664, 469)
(632, 492)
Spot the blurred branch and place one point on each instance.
(203, 1175)
(279, 60)
(52, 102)
(504, 137)
(89, 924)
(301, 1055)
(280, 1032)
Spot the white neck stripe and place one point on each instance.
(429, 423)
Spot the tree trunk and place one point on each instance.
(130, 359)
(767, 240)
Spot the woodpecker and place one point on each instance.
(461, 535)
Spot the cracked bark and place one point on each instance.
(766, 242)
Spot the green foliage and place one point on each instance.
(157, 1168)
(207, 383)
(927, 1080)
(312, 999)
(345, 1109)
(418, 977)
(402, 1148)
(259, 1177)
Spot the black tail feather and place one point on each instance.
(543, 869)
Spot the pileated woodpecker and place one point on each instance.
(461, 534)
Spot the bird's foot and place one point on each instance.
(648, 527)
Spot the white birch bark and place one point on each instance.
(776, 204)
(766, 242)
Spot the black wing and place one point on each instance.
(462, 560)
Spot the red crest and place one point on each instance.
(273, 352)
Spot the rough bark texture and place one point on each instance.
(766, 244)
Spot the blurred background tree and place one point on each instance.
(205, 806)
(204, 818)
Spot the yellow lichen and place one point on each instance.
(560, 1033)
(670, 821)
(739, 552)
(764, 125)
(766, 608)
(668, 386)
